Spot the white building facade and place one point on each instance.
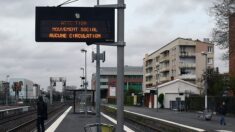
(173, 90)
(28, 91)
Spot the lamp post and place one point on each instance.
(85, 51)
(186, 99)
(157, 95)
(205, 54)
(82, 77)
(157, 82)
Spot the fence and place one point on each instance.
(198, 103)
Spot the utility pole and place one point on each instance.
(98, 86)
(97, 104)
(85, 51)
(98, 56)
(120, 67)
(51, 88)
(120, 6)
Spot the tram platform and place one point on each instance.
(75, 122)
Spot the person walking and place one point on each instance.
(223, 111)
(41, 114)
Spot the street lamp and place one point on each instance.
(186, 99)
(82, 77)
(157, 82)
(205, 74)
(85, 51)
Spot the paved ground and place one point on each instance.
(75, 122)
(186, 118)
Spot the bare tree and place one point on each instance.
(221, 10)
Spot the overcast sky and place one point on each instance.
(149, 24)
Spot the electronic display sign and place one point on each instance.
(75, 24)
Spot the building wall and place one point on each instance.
(27, 88)
(172, 91)
(200, 67)
(133, 78)
(1, 87)
(179, 59)
(232, 45)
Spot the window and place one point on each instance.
(210, 61)
(173, 73)
(210, 49)
(103, 83)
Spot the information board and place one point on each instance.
(75, 24)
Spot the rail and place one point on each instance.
(26, 122)
(149, 123)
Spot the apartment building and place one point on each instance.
(133, 78)
(179, 59)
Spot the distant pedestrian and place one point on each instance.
(41, 114)
(222, 111)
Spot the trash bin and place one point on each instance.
(103, 127)
(207, 115)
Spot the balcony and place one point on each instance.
(163, 79)
(188, 76)
(165, 69)
(165, 58)
(149, 67)
(187, 65)
(187, 54)
(148, 74)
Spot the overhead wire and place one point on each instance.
(67, 2)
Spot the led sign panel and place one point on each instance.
(74, 24)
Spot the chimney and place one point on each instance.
(207, 40)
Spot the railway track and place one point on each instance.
(26, 122)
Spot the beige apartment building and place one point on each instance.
(179, 59)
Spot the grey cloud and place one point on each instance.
(150, 25)
(17, 8)
(170, 7)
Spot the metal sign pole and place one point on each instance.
(98, 86)
(85, 85)
(120, 67)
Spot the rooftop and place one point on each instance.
(129, 70)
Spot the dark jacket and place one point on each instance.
(41, 109)
(222, 110)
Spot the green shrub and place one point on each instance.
(161, 99)
(129, 100)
